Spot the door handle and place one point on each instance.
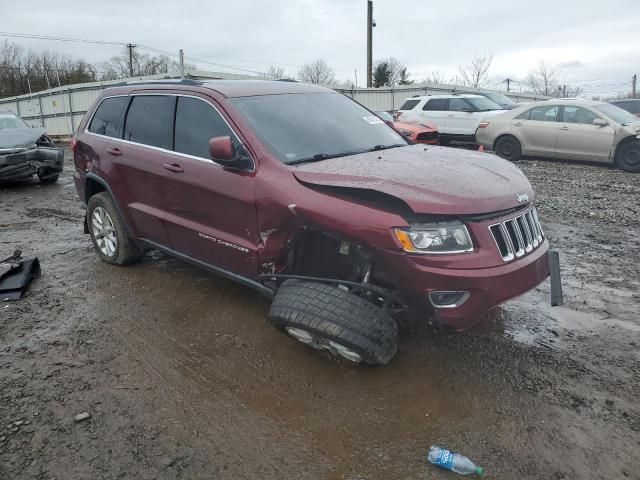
(173, 167)
(517, 124)
(564, 128)
(114, 151)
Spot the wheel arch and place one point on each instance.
(94, 185)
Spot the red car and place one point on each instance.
(417, 132)
(345, 225)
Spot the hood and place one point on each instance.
(434, 180)
(20, 137)
(493, 113)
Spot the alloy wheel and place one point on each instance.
(104, 232)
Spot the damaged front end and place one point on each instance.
(25, 152)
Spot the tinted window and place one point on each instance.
(631, 106)
(149, 120)
(572, 114)
(484, 104)
(197, 122)
(541, 114)
(108, 118)
(458, 105)
(437, 104)
(409, 104)
(300, 127)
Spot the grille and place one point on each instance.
(518, 236)
(427, 136)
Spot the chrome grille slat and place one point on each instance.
(518, 236)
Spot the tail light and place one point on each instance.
(483, 125)
(74, 143)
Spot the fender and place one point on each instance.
(102, 182)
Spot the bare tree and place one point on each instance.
(477, 74)
(143, 64)
(274, 73)
(543, 80)
(317, 71)
(403, 77)
(21, 70)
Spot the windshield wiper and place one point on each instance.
(324, 156)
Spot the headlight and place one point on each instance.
(435, 238)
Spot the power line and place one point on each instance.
(59, 39)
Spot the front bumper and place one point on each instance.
(488, 287)
(18, 166)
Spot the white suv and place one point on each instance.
(456, 116)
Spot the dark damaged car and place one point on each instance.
(306, 196)
(27, 151)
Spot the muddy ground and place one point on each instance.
(184, 379)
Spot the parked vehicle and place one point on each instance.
(343, 224)
(501, 99)
(417, 132)
(455, 116)
(26, 151)
(631, 105)
(569, 129)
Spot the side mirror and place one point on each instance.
(222, 151)
(600, 122)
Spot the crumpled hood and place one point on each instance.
(20, 137)
(435, 180)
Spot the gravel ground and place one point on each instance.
(182, 378)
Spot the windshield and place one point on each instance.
(10, 122)
(616, 114)
(301, 127)
(483, 104)
(501, 99)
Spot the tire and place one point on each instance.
(336, 320)
(628, 156)
(108, 231)
(48, 180)
(509, 148)
(444, 141)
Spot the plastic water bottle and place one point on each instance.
(453, 461)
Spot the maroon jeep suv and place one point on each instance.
(312, 200)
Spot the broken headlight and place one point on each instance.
(435, 238)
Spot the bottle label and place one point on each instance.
(445, 459)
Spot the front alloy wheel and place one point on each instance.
(104, 232)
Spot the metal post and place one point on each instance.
(181, 53)
(369, 43)
(633, 85)
(73, 127)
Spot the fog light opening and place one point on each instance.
(448, 299)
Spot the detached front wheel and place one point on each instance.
(326, 317)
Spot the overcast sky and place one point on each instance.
(596, 43)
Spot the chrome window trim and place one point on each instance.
(185, 155)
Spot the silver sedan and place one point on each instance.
(567, 129)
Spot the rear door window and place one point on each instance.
(437, 105)
(197, 122)
(541, 114)
(149, 120)
(108, 117)
(409, 104)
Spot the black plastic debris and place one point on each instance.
(15, 275)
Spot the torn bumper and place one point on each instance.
(487, 287)
(44, 161)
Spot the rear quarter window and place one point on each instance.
(409, 104)
(108, 117)
(149, 121)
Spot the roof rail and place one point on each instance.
(162, 81)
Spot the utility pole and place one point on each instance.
(131, 46)
(369, 43)
(181, 53)
(634, 81)
(564, 91)
(508, 80)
